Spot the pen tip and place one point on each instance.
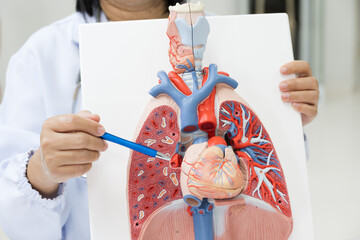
(163, 156)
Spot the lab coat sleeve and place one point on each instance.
(24, 214)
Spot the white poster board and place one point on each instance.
(119, 63)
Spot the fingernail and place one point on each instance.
(283, 86)
(106, 145)
(101, 131)
(283, 70)
(285, 96)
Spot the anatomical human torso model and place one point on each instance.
(224, 180)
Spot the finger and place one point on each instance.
(84, 113)
(73, 157)
(299, 67)
(298, 84)
(73, 122)
(308, 97)
(309, 111)
(89, 115)
(78, 140)
(64, 173)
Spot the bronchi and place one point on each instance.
(188, 104)
(252, 144)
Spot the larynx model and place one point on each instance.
(224, 180)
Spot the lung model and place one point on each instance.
(224, 180)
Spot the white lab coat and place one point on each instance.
(41, 80)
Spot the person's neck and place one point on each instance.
(122, 12)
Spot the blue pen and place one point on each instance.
(134, 146)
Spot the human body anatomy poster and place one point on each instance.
(146, 91)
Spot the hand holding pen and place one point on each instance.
(69, 144)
